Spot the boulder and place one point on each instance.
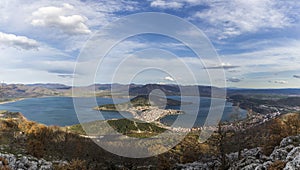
(193, 166)
(288, 151)
(251, 166)
(24, 162)
(280, 153)
(291, 140)
(294, 164)
(293, 153)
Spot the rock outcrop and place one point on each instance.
(24, 162)
(253, 159)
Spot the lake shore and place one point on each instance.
(57, 107)
(12, 100)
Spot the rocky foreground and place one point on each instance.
(286, 156)
(18, 162)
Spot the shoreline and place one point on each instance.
(12, 101)
(134, 112)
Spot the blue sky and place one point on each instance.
(258, 41)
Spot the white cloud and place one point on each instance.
(58, 17)
(20, 42)
(45, 58)
(31, 76)
(233, 80)
(176, 4)
(168, 78)
(51, 23)
(279, 82)
(225, 66)
(232, 18)
(277, 58)
(266, 63)
(166, 4)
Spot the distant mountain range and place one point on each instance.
(284, 91)
(50, 86)
(38, 90)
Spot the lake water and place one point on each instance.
(60, 110)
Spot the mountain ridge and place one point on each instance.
(55, 89)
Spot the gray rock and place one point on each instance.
(248, 161)
(33, 166)
(21, 165)
(232, 157)
(24, 160)
(193, 166)
(294, 164)
(251, 166)
(46, 167)
(214, 164)
(26, 163)
(266, 165)
(293, 153)
(255, 152)
(281, 153)
(291, 140)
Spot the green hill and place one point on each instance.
(124, 126)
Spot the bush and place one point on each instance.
(75, 164)
(276, 132)
(4, 165)
(277, 165)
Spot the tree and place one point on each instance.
(238, 130)
(220, 144)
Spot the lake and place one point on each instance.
(60, 110)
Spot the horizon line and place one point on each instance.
(169, 84)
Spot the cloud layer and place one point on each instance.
(19, 42)
(257, 41)
(58, 17)
(279, 81)
(237, 17)
(166, 4)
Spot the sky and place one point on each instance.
(257, 42)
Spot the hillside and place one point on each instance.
(127, 127)
(12, 91)
(62, 148)
(266, 104)
(35, 145)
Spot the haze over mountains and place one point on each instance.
(39, 90)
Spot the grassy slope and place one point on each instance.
(124, 126)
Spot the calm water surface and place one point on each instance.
(60, 110)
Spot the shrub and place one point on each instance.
(4, 164)
(277, 165)
(75, 164)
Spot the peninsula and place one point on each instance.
(145, 109)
